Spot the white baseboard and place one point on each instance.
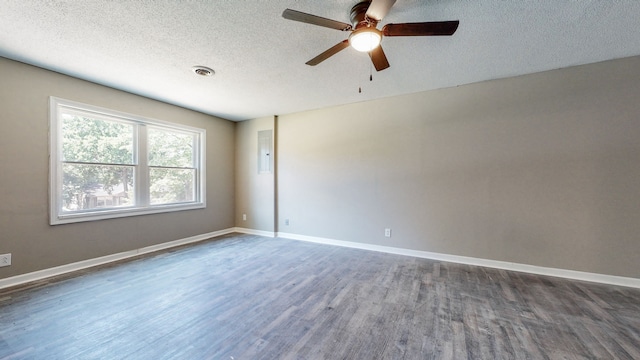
(532, 269)
(63, 269)
(254, 232)
(540, 270)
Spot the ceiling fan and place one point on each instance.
(365, 36)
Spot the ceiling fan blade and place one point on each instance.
(378, 9)
(379, 59)
(329, 53)
(314, 20)
(436, 28)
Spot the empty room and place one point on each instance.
(298, 179)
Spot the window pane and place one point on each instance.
(96, 140)
(170, 148)
(96, 186)
(171, 185)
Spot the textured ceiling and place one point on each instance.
(148, 47)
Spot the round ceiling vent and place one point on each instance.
(203, 70)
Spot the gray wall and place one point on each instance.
(541, 169)
(255, 193)
(24, 228)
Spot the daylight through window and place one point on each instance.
(107, 164)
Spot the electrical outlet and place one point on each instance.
(387, 232)
(286, 222)
(244, 217)
(5, 260)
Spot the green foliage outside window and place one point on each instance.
(98, 163)
(99, 159)
(171, 172)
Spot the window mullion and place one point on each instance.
(142, 166)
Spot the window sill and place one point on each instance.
(120, 213)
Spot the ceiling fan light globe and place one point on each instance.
(365, 39)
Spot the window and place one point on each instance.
(106, 164)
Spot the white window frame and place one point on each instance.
(143, 206)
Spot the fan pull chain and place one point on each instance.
(370, 77)
(370, 71)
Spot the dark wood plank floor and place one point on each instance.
(248, 297)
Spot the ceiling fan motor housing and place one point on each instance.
(359, 15)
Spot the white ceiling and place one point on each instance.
(148, 47)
